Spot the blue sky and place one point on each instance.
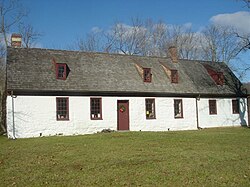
(62, 21)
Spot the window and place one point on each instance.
(178, 110)
(220, 78)
(236, 106)
(217, 76)
(212, 107)
(174, 76)
(62, 108)
(147, 76)
(61, 71)
(95, 108)
(150, 108)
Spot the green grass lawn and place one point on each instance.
(208, 157)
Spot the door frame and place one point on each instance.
(127, 110)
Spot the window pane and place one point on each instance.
(62, 108)
(150, 108)
(61, 71)
(236, 108)
(174, 76)
(95, 109)
(147, 74)
(212, 107)
(178, 108)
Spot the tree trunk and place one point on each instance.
(3, 112)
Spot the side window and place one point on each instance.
(150, 108)
(212, 107)
(236, 106)
(178, 110)
(62, 108)
(96, 108)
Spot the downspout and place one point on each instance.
(13, 115)
(248, 110)
(197, 111)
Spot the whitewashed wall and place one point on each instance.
(37, 114)
(164, 108)
(224, 116)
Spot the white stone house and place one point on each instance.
(56, 92)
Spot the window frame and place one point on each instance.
(100, 108)
(64, 72)
(235, 106)
(174, 76)
(212, 103)
(220, 78)
(153, 109)
(181, 110)
(147, 77)
(67, 109)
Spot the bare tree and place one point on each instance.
(92, 42)
(127, 39)
(189, 46)
(246, 2)
(187, 42)
(245, 42)
(185, 39)
(245, 38)
(147, 38)
(155, 39)
(29, 35)
(220, 44)
(11, 14)
(140, 38)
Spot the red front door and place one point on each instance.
(123, 114)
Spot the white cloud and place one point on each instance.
(240, 20)
(188, 25)
(96, 30)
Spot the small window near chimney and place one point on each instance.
(147, 76)
(61, 71)
(174, 76)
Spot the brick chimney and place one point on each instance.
(173, 53)
(16, 40)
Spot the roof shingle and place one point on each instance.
(34, 70)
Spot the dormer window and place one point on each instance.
(217, 76)
(61, 70)
(147, 76)
(220, 78)
(174, 76)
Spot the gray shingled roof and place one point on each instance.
(33, 70)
